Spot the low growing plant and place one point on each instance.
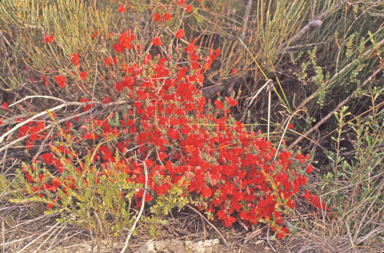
(167, 146)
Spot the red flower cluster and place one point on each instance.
(125, 41)
(34, 130)
(5, 106)
(179, 34)
(86, 107)
(314, 200)
(157, 17)
(187, 8)
(95, 34)
(48, 38)
(231, 101)
(83, 75)
(167, 16)
(156, 41)
(60, 80)
(121, 9)
(229, 170)
(75, 59)
(44, 78)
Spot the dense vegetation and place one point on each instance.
(119, 112)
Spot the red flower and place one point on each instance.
(118, 86)
(86, 107)
(75, 59)
(309, 169)
(95, 34)
(229, 221)
(47, 158)
(179, 34)
(157, 17)
(60, 80)
(43, 77)
(290, 125)
(108, 60)
(282, 235)
(180, 2)
(300, 180)
(83, 75)
(188, 8)
(138, 104)
(49, 206)
(107, 100)
(148, 197)
(219, 104)
(156, 41)
(29, 178)
(167, 16)
(5, 106)
(48, 38)
(231, 101)
(191, 49)
(206, 192)
(29, 145)
(121, 9)
(118, 48)
(234, 71)
(56, 183)
(172, 133)
(33, 137)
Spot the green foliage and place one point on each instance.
(173, 199)
(3, 184)
(360, 192)
(105, 207)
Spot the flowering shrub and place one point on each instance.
(192, 152)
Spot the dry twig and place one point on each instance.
(225, 241)
(141, 209)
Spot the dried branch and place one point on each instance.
(316, 22)
(45, 128)
(141, 210)
(43, 234)
(249, 6)
(225, 241)
(65, 104)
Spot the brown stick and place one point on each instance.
(209, 224)
(246, 19)
(316, 22)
